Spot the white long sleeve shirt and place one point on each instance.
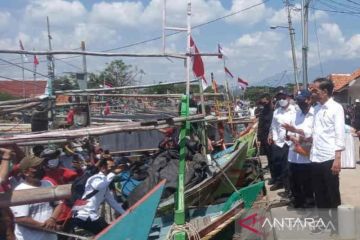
(101, 183)
(328, 131)
(280, 117)
(304, 122)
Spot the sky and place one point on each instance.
(253, 50)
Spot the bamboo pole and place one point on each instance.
(15, 109)
(20, 101)
(96, 131)
(35, 195)
(105, 54)
(124, 95)
(119, 88)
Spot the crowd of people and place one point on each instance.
(90, 169)
(303, 137)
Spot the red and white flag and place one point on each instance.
(228, 73)
(220, 56)
(198, 64)
(22, 48)
(242, 83)
(107, 85)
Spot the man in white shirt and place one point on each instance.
(37, 215)
(279, 145)
(328, 142)
(96, 192)
(299, 162)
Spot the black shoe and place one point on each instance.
(276, 186)
(284, 195)
(271, 182)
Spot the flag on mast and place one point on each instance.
(107, 85)
(228, 73)
(220, 56)
(198, 64)
(36, 60)
(242, 83)
(23, 49)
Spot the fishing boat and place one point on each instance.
(227, 170)
(207, 222)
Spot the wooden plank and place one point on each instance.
(35, 195)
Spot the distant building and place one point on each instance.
(347, 86)
(21, 89)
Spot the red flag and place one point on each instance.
(242, 83)
(108, 85)
(228, 73)
(220, 56)
(198, 65)
(36, 61)
(107, 109)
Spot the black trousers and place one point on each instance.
(94, 227)
(301, 184)
(265, 149)
(325, 185)
(279, 162)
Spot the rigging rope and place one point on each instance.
(188, 228)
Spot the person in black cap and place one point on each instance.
(279, 144)
(299, 129)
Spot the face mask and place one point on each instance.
(98, 156)
(53, 163)
(283, 102)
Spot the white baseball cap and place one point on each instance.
(357, 100)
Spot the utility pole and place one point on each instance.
(83, 85)
(50, 61)
(305, 39)
(292, 41)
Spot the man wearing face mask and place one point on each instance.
(57, 175)
(299, 163)
(265, 117)
(38, 215)
(54, 173)
(279, 145)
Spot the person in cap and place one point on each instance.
(299, 129)
(279, 144)
(38, 215)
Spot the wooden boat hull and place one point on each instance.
(203, 193)
(127, 226)
(209, 221)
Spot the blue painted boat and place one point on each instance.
(136, 222)
(209, 221)
(206, 192)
